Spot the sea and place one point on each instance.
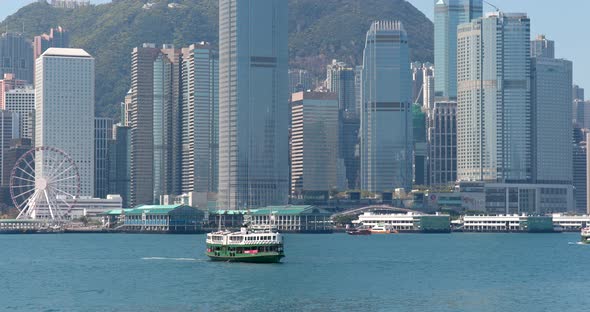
(325, 272)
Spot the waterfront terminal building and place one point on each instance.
(409, 222)
(155, 218)
(294, 219)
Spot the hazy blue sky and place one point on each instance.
(565, 27)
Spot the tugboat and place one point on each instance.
(585, 233)
(250, 244)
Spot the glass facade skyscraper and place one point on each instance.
(448, 15)
(200, 118)
(386, 113)
(315, 137)
(494, 99)
(552, 120)
(103, 137)
(16, 53)
(253, 103)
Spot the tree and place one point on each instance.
(343, 220)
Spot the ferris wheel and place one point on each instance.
(45, 184)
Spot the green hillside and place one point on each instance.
(320, 30)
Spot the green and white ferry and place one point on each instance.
(250, 244)
(585, 233)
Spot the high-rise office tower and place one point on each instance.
(340, 80)
(579, 107)
(141, 122)
(577, 93)
(57, 38)
(417, 82)
(16, 53)
(349, 141)
(64, 108)
(542, 47)
(22, 101)
(442, 143)
(103, 137)
(8, 131)
(200, 123)
(587, 174)
(494, 100)
(299, 80)
(448, 15)
(552, 116)
(155, 120)
(421, 73)
(162, 102)
(579, 157)
(7, 84)
(172, 121)
(314, 149)
(386, 114)
(420, 146)
(119, 163)
(358, 82)
(253, 110)
(428, 86)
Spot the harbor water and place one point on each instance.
(406, 272)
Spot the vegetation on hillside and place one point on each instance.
(319, 31)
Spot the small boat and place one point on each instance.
(585, 234)
(250, 244)
(383, 229)
(359, 231)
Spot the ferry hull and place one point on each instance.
(249, 259)
(585, 240)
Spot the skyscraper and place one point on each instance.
(200, 123)
(422, 81)
(494, 105)
(448, 15)
(119, 163)
(22, 101)
(8, 131)
(64, 108)
(340, 80)
(141, 122)
(57, 38)
(103, 137)
(253, 110)
(420, 146)
(442, 143)
(314, 143)
(580, 154)
(16, 53)
(299, 80)
(552, 117)
(7, 84)
(542, 47)
(386, 113)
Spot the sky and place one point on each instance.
(566, 27)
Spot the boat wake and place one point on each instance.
(172, 259)
(578, 243)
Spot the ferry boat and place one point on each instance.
(585, 233)
(382, 229)
(359, 231)
(250, 244)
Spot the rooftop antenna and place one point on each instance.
(493, 6)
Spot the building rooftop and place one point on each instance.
(66, 52)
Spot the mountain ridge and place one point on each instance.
(318, 32)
